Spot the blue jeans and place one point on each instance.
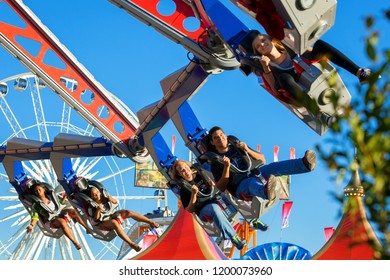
(253, 187)
(214, 211)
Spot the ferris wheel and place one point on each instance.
(30, 110)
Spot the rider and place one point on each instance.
(278, 71)
(113, 221)
(193, 180)
(58, 221)
(261, 180)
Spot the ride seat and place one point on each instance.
(318, 78)
(28, 198)
(81, 200)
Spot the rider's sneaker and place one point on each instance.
(364, 75)
(238, 242)
(258, 224)
(310, 159)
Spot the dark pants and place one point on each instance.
(320, 49)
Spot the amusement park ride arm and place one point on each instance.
(204, 42)
(118, 127)
(209, 43)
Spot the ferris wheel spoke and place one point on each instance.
(85, 252)
(21, 220)
(15, 206)
(80, 165)
(115, 174)
(91, 165)
(11, 119)
(65, 249)
(33, 170)
(50, 248)
(89, 130)
(75, 163)
(114, 178)
(122, 184)
(31, 250)
(43, 243)
(14, 215)
(4, 178)
(38, 110)
(9, 198)
(108, 247)
(4, 250)
(15, 237)
(49, 173)
(65, 118)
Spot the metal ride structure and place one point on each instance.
(32, 118)
(216, 47)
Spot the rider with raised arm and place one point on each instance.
(114, 221)
(278, 69)
(197, 196)
(259, 181)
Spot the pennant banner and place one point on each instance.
(276, 153)
(173, 144)
(292, 153)
(286, 209)
(328, 233)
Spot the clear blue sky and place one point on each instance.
(129, 59)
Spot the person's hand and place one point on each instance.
(194, 190)
(100, 207)
(243, 146)
(113, 200)
(264, 60)
(63, 197)
(29, 228)
(226, 161)
(211, 182)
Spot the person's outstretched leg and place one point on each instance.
(291, 166)
(321, 49)
(75, 215)
(114, 225)
(63, 224)
(213, 211)
(138, 217)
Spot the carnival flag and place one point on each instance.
(328, 233)
(286, 209)
(276, 153)
(292, 153)
(173, 144)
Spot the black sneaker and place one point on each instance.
(238, 242)
(364, 75)
(310, 159)
(258, 224)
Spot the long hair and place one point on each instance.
(42, 185)
(174, 173)
(277, 43)
(210, 147)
